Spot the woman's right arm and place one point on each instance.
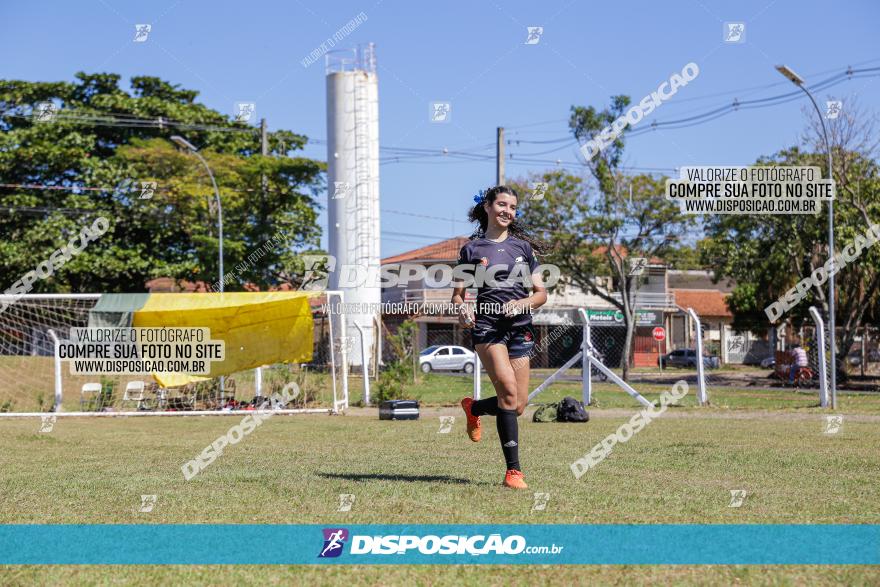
(465, 311)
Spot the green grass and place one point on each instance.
(22, 378)
(474, 576)
(680, 469)
(445, 390)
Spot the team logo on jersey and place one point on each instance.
(519, 259)
(528, 336)
(334, 540)
(484, 261)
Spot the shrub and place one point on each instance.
(392, 381)
(107, 395)
(310, 384)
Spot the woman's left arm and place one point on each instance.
(533, 302)
(539, 292)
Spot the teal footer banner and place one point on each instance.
(676, 544)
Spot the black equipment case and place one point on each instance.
(399, 409)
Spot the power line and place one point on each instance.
(121, 188)
(571, 143)
(423, 216)
(429, 156)
(686, 122)
(157, 123)
(39, 186)
(753, 89)
(135, 189)
(126, 120)
(740, 91)
(556, 120)
(481, 147)
(735, 105)
(547, 142)
(47, 210)
(427, 236)
(450, 162)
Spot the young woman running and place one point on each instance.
(501, 323)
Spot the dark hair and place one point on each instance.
(517, 228)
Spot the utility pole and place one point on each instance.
(499, 157)
(264, 183)
(264, 150)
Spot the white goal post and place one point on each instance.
(702, 397)
(821, 360)
(34, 381)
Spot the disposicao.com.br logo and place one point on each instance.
(476, 545)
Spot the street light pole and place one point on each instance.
(182, 142)
(192, 149)
(799, 82)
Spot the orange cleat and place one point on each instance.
(474, 428)
(515, 480)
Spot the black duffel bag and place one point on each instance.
(571, 410)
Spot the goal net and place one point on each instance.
(34, 378)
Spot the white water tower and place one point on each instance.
(353, 185)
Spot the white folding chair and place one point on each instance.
(134, 392)
(91, 394)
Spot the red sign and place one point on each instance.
(659, 334)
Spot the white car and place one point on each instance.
(447, 358)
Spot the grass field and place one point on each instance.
(447, 390)
(680, 469)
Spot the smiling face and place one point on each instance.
(502, 211)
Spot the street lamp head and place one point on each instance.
(792, 76)
(182, 142)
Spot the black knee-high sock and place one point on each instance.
(485, 407)
(508, 433)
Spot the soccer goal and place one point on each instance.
(34, 380)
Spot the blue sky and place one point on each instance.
(472, 54)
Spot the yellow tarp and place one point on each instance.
(258, 328)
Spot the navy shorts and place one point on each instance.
(520, 340)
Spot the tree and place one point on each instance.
(767, 255)
(103, 136)
(686, 257)
(597, 227)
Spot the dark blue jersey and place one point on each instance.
(509, 264)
